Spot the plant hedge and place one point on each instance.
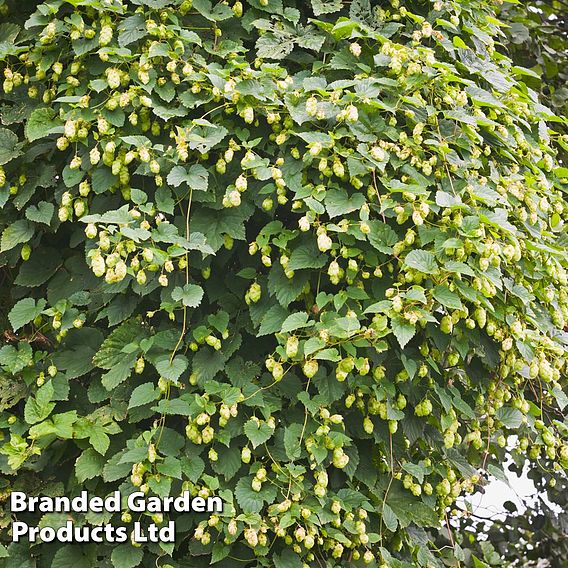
(308, 256)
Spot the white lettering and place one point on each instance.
(18, 502)
(136, 503)
(214, 505)
(112, 503)
(18, 529)
(198, 504)
(96, 504)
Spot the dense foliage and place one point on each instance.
(537, 37)
(307, 256)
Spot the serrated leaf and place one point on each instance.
(421, 260)
(257, 432)
(111, 351)
(285, 289)
(192, 467)
(119, 372)
(287, 559)
(114, 469)
(126, 556)
(131, 29)
(99, 439)
(403, 330)
(24, 312)
(71, 556)
(206, 364)
(38, 408)
(18, 232)
(41, 123)
(306, 256)
(446, 297)
(171, 369)
(382, 237)
(295, 321)
(389, 518)
(143, 394)
(229, 463)
(252, 501)
(269, 46)
(190, 295)
(8, 146)
(510, 417)
(41, 213)
(326, 6)
(196, 177)
(14, 359)
(338, 202)
(89, 465)
(171, 467)
(292, 435)
(272, 320)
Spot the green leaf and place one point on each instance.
(510, 417)
(228, 463)
(171, 467)
(326, 6)
(88, 465)
(257, 432)
(143, 394)
(306, 256)
(447, 298)
(296, 321)
(252, 501)
(15, 359)
(9, 147)
(204, 135)
(40, 407)
(41, 213)
(338, 202)
(126, 556)
(190, 295)
(215, 224)
(119, 373)
(382, 237)
(389, 518)
(111, 351)
(131, 29)
(421, 260)
(71, 556)
(41, 266)
(196, 177)
(114, 470)
(99, 439)
(219, 552)
(102, 179)
(272, 320)
(403, 330)
(286, 290)
(482, 97)
(292, 435)
(192, 467)
(287, 559)
(41, 123)
(171, 369)
(24, 312)
(20, 231)
(478, 563)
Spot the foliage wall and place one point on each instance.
(307, 256)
